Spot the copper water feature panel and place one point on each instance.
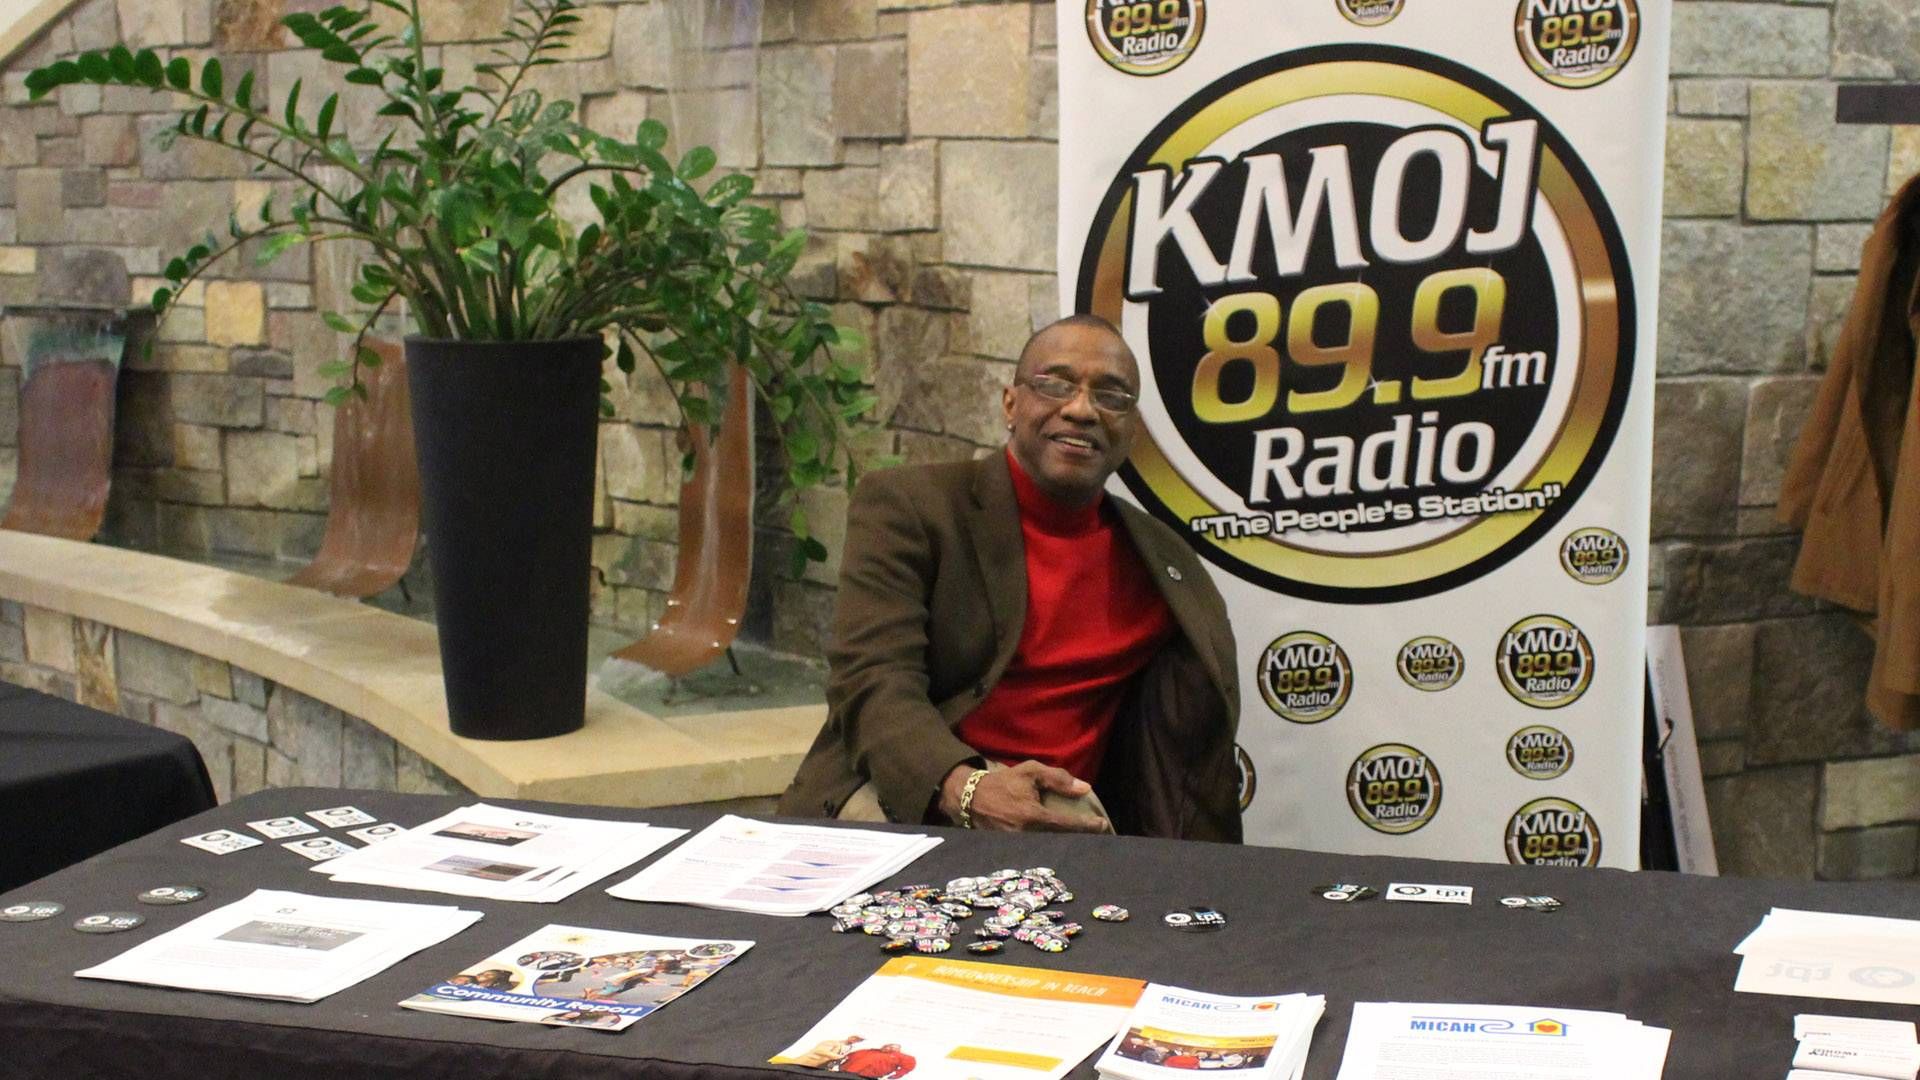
(715, 560)
(373, 499)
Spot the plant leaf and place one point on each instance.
(327, 109)
(121, 61)
(147, 68)
(272, 246)
(338, 322)
(210, 81)
(243, 93)
(94, 67)
(697, 162)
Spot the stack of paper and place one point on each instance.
(1173, 1031)
(285, 946)
(1499, 1042)
(1849, 1047)
(501, 854)
(1825, 955)
(575, 977)
(737, 864)
(935, 1019)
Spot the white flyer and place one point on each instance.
(283, 945)
(939, 1019)
(1830, 955)
(1405, 1041)
(740, 864)
(1172, 1031)
(502, 853)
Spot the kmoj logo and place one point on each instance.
(1370, 12)
(1593, 556)
(1386, 311)
(1393, 788)
(1553, 832)
(1430, 663)
(1151, 37)
(1545, 661)
(1577, 43)
(1305, 677)
(1540, 752)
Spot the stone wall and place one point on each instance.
(1768, 202)
(251, 732)
(881, 141)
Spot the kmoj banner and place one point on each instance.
(1390, 270)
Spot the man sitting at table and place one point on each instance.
(1007, 641)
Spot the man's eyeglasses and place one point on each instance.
(1105, 398)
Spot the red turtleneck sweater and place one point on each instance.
(1093, 621)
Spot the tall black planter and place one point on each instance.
(505, 433)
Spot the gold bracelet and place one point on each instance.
(966, 798)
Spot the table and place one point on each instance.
(1655, 946)
(75, 781)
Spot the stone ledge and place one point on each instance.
(385, 669)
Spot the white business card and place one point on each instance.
(1430, 894)
(221, 842)
(281, 827)
(1859, 1059)
(318, 848)
(1857, 1028)
(373, 834)
(333, 817)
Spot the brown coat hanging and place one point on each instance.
(1853, 485)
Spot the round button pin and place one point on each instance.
(108, 922)
(172, 894)
(1173, 572)
(31, 911)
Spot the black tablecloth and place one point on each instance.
(1652, 945)
(75, 781)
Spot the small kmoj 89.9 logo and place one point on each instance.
(1577, 43)
(1593, 556)
(1370, 12)
(1305, 677)
(1430, 663)
(1149, 37)
(1393, 788)
(1553, 832)
(1545, 661)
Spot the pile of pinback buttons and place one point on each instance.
(923, 918)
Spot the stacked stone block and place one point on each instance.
(1768, 202)
(251, 732)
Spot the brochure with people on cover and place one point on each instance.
(924, 1018)
(572, 976)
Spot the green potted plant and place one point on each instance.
(515, 310)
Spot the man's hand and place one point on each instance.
(1009, 800)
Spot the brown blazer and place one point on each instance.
(933, 597)
(1853, 485)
